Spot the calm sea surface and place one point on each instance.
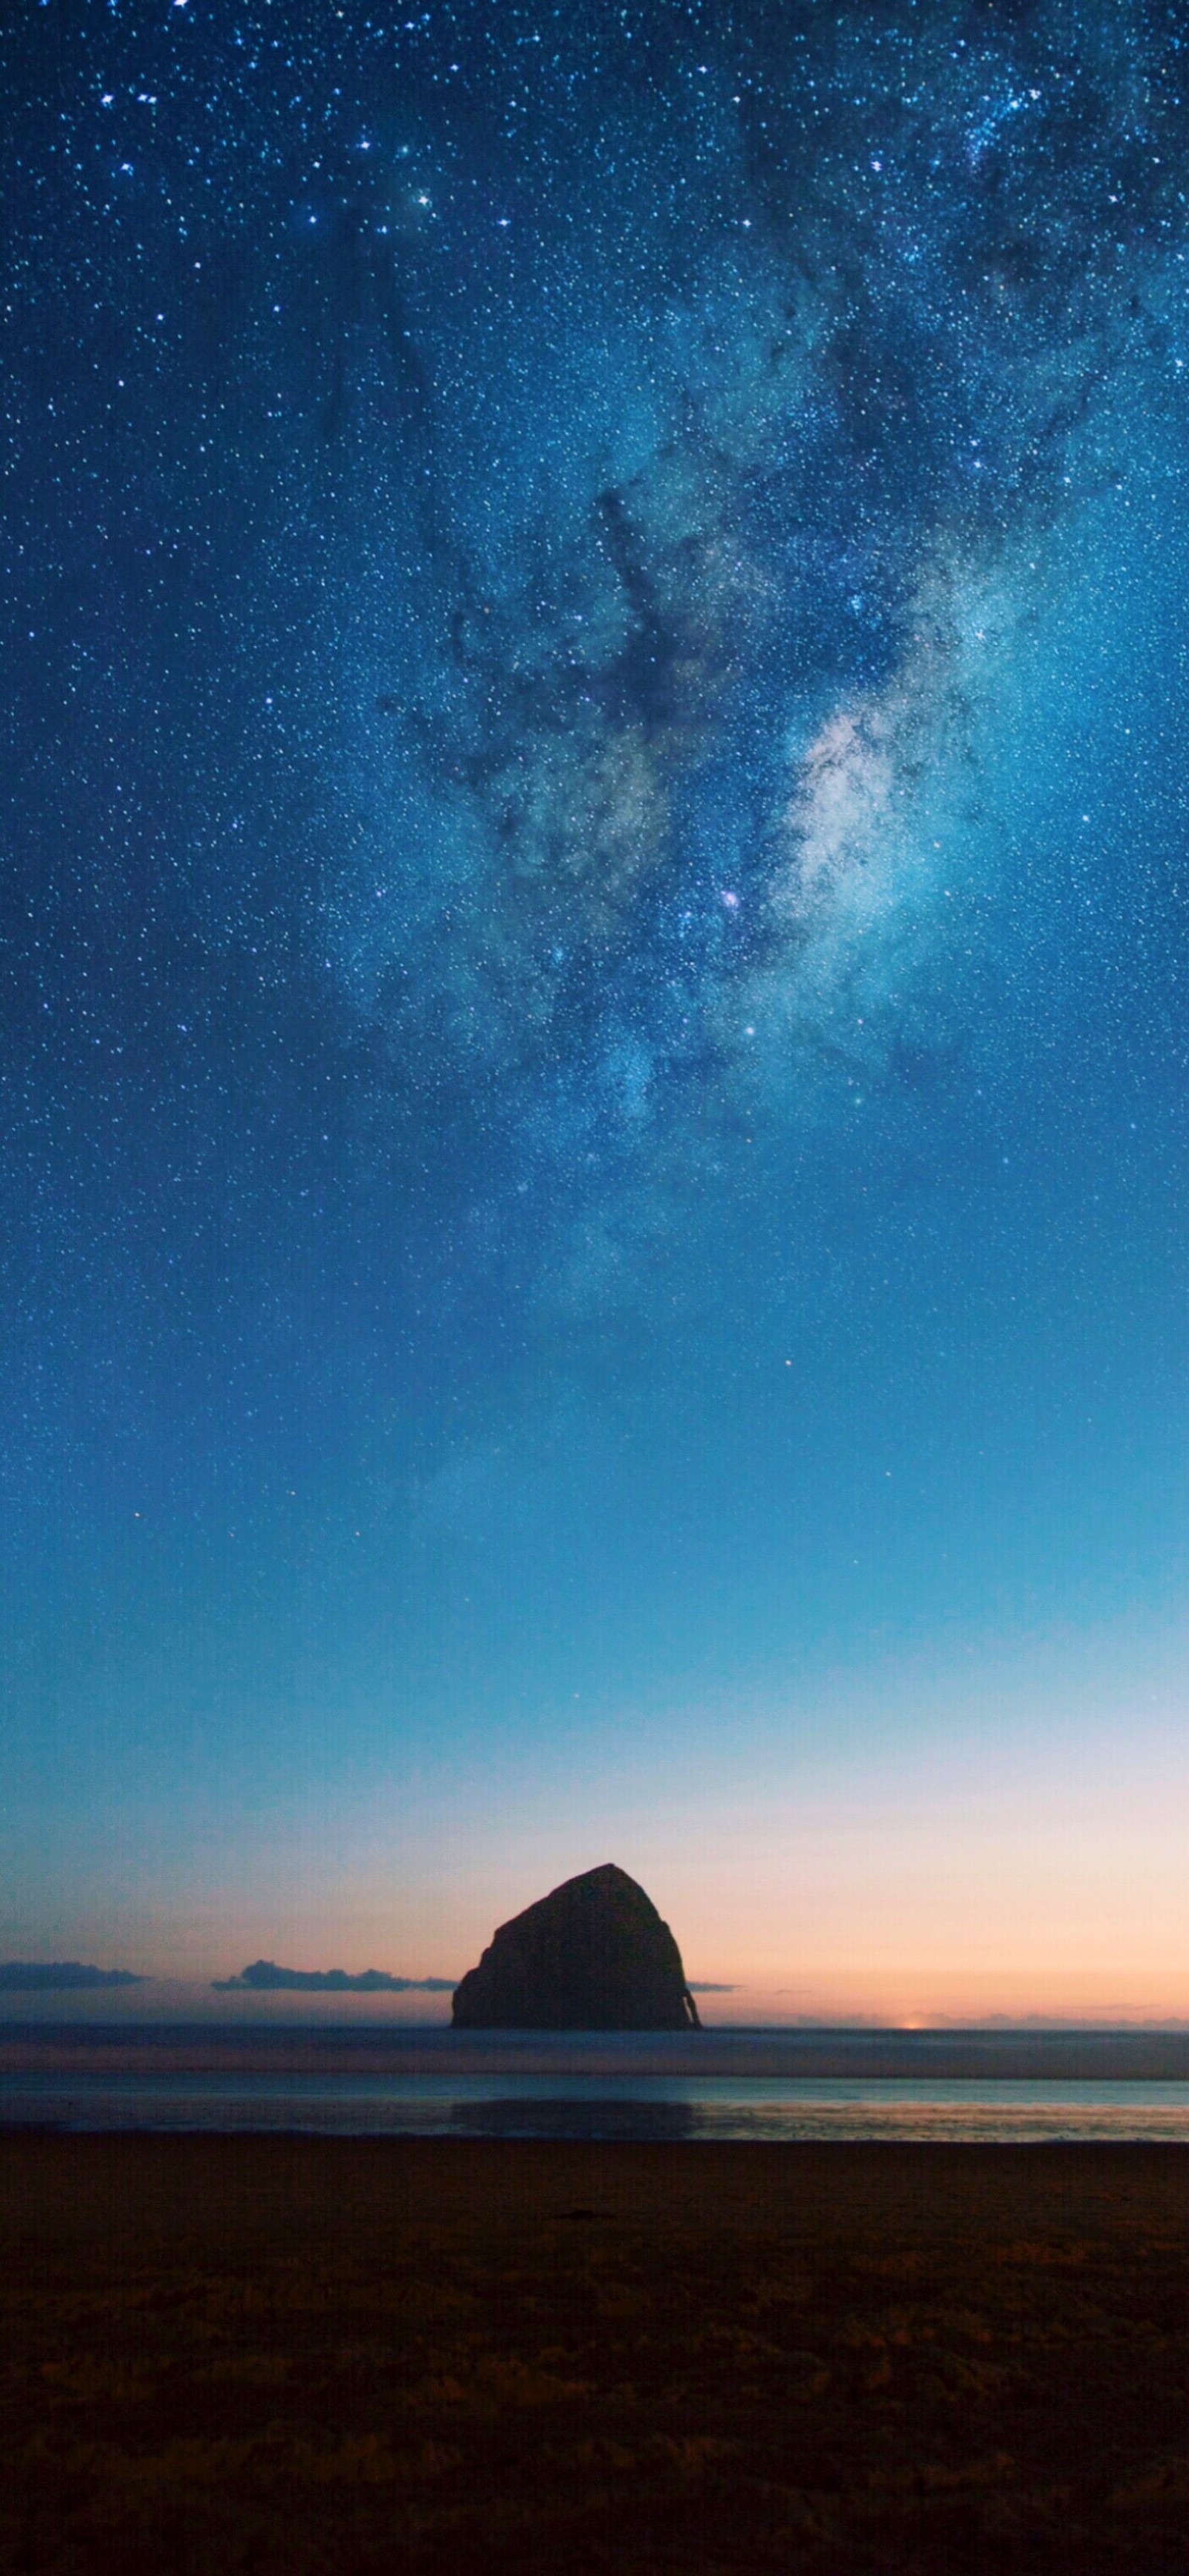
(593, 2087)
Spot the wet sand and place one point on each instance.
(289, 2354)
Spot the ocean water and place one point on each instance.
(553, 2103)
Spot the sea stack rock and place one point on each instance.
(594, 1955)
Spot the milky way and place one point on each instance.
(585, 591)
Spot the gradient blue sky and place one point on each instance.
(594, 985)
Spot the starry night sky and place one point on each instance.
(593, 978)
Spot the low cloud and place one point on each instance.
(264, 1977)
(57, 1976)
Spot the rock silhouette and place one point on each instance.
(593, 1955)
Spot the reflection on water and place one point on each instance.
(665, 2108)
(550, 2118)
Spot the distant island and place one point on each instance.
(592, 1955)
(59, 1976)
(264, 1977)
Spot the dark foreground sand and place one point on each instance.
(282, 2355)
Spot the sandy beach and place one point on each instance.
(285, 2354)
